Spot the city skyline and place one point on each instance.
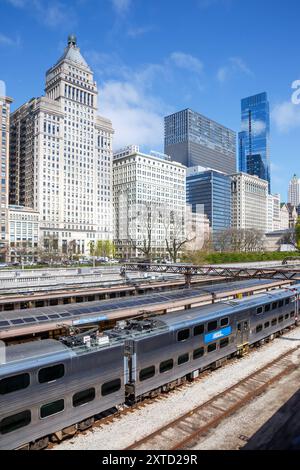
(147, 66)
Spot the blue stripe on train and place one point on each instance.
(217, 335)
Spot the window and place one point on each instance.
(259, 328)
(211, 347)
(52, 408)
(267, 307)
(259, 310)
(14, 422)
(213, 325)
(183, 335)
(183, 359)
(147, 373)
(224, 342)
(274, 305)
(224, 321)
(166, 365)
(110, 387)
(267, 324)
(287, 301)
(292, 314)
(14, 383)
(280, 319)
(198, 330)
(280, 303)
(286, 316)
(274, 322)
(81, 398)
(198, 353)
(49, 374)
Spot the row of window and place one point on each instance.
(19, 420)
(274, 322)
(165, 366)
(183, 335)
(273, 306)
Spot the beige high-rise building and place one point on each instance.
(5, 103)
(249, 202)
(61, 156)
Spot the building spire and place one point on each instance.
(72, 40)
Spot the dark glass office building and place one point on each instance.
(254, 140)
(193, 139)
(213, 190)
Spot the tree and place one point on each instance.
(176, 236)
(142, 225)
(297, 234)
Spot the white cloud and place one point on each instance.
(134, 32)
(187, 61)
(121, 6)
(234, 66)
(258, 127)
(8, 41)
(52, 13)
(286, 116)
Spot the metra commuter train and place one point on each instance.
(50, 388)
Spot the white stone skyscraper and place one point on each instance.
(294, 191)
(61, 156)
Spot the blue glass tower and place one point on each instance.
(254, 139)
(213, 190)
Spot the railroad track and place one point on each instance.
(184, 432)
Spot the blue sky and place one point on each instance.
(154, 57)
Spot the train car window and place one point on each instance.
(224, 321)
(147, 373)
(292, 314)
(259, 328)
(259, 310)
(14, 422)
(198, 353)
(110, 387)
(280, 303)
(274, 322)
(280, 319)
(211, 347)
(183, 359)
(183, 335)
(286, 316)
(49, 374)
(274, 305)
(267, 324)
(14, 383)
(211, 326)
(52, 408)
(81, 398)
(224, 342)
(166, 365)
(198, 330)
(287, 301)
(267, 307)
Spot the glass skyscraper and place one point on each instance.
(254, 139)
(213, 190)
(192, 139)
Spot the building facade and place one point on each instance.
(273, 213)
(212, 189)
(249, 202)
(61, 156)
(193, 139)
(146, 188)
(254, 139)
(5, 103)
(23, 226)
(294, 191)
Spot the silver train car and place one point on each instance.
(47, 387)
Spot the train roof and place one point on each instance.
(99, 310)
(34, 350)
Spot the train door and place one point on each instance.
(242, 332)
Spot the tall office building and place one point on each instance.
(254, 139)
(249, 202)
(5, 103)
(61, 156)
(145, 187)
(193, 139)
(212, 189)
(294, 191)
